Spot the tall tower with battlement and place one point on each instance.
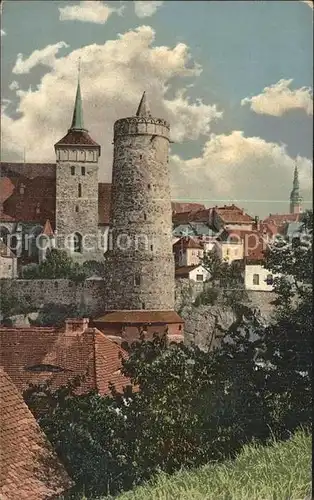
(140, 257)
(77, 188)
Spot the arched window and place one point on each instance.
(77, 240)
(255, 279)
(79, 190)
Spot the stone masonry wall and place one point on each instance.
(141, 258)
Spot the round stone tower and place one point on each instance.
(139, 258)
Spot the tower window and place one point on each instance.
(145, 216)
(72, 170)
(77, 240)
(79, 190)
(137, 279)
(148, 186)
(143, 305)
(151, 247)
(83, 170)
(141, 156)
(77, 208)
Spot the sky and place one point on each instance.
(233, 78)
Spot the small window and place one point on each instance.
(83, 170)
(145, 217)
(77, 208)
(151, 248)
(255, 279)
(77, 237)
(79, 190)
(228, 251)
(137, 279)
(143, 305)
(180, 327)
(269, 279)
(9, 267)
(148, 186)
(141, 156)
(199, 277)
(72, 170)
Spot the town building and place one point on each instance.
(194, 273)
(8, 262)
(187, 252)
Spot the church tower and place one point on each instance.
(77, 188)
(295, 198)
(140, 257)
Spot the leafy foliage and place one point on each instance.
(11, 304)
(57, 265)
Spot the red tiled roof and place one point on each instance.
(179, 207)
(30, 193)
(104, 202)
(6, 188)
(201, 215)
(47, 230)
(139, 317)
(233, 215)
(29, 468)
(184, 271)
(280, 219)
(88, 353)
(28, 170)
(77, 137)
(187, 242)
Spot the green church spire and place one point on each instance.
(77, 120)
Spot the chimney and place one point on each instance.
(76, 325)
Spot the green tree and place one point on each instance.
(57, 265)
(11, 304)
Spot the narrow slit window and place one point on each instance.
(83, 170)
(77, 208)
(80, 190)
(72, 170)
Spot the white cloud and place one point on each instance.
(46, 57)
(113, 78)
(279, 98)
(3, 33)
(252, 173)
(146, 9)
(14, 85)
(88, 11)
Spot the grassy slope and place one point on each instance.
(281, 471)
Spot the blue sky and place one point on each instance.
(241, 46)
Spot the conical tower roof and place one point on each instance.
(143, 108)
(77, 120)
(295, 193)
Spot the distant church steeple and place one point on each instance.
(77, 120)
(295, 198)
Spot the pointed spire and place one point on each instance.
(77, 120)
(143, 108)
(296, 184)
